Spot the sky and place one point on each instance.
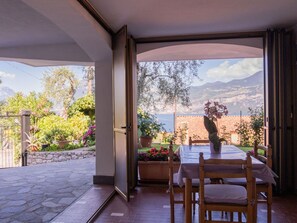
(25, 78)
(227, 70)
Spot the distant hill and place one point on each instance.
(238, 95)
(6, 92)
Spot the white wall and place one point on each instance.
(105, 164)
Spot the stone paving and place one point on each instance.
(38, 193)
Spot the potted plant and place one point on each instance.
(149, 127)
(33, 142)
(59, 136)
(213, 112)
(153, 165)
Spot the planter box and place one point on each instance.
(155, 171)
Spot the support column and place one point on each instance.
(105, 162)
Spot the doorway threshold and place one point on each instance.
(86, 208)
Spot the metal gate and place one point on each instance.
(13, 145)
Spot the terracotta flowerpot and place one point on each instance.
(146, 141)
(155, 171)
(63, 143)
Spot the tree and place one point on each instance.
(37, 103)
(165, 82)
(89, 76)
(84, 105)
(60, 85)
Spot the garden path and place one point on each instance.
(39, 193)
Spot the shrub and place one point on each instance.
(70, 146)
(253, 130)
(50, 127)
(243, 131)
(84, 105)
(89, 137)
(79, 124)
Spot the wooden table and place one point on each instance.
(189, 169)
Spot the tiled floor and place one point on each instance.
(151, 205)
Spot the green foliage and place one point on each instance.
(243, 130)
(51, 126)
(37, 103)
(34, 143)
(148, 124)
(79, 124)
(57, 134)
(167, 137)
(224, 134)
(60, 85)
(89, 76)
(55, 128)
(84, 105)
(70, 146)
(251, 131)
(165, 82)
(257, 122)
(181, 133)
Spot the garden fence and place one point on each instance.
(13, 139)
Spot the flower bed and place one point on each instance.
(153, 165)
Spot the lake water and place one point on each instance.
(167, 120)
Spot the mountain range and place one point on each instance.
(6, 92)
(238, 94)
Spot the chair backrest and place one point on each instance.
(231, 168)
(197, 141)
(265, 156)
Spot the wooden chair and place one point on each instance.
(224, 197)
(263, 189)
(197, 141)
(191, 142)
(174, 188)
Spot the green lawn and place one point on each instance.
(245, 148)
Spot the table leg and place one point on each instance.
(188, 201)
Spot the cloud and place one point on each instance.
(4, 74)
(243, 68)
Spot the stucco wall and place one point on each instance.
(196, 127)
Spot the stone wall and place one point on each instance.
(49, 157)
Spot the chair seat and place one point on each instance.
(241, 181)
(224, 193)
(195, 181)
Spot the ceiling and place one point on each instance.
(149, 18)
(42, 32)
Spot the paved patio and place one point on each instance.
(39, 193)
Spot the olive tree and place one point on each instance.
(60, 85)
(164, 83)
